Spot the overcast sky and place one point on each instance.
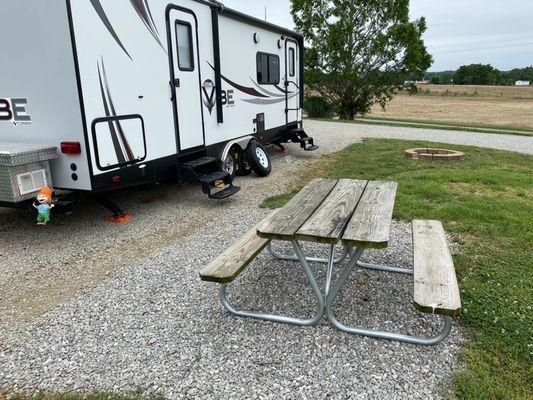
(497, 32)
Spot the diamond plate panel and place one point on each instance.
(20, 158)
(12, 154)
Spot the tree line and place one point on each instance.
(480, 74)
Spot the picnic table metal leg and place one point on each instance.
(280, 318)
(311, 259)
(386, 268)
(329, 271)
(355, 254)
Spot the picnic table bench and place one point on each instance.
(357, 214)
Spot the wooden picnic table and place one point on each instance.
(358, 215)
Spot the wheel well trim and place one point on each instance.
(241, 142)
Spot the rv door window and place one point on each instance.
(292, 60)
(184, 41)
(267, 69)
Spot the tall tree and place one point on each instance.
(476, 74)
(360, 51)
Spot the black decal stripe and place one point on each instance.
(114, 138)
(266, 91)
(141, 8)
(247, 90)
(151, 16)
(126, 145)
(101, 13)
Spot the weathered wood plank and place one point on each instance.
(285, 223)
(436, 289)
(228, 265)
(327, 223)
(369, 226)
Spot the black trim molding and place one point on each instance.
(190, 44)
(111, 121)
(80, 92)
(216, 56)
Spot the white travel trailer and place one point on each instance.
(137, 91)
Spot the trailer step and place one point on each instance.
(200, 162)
(216, 184)
(299, 136)
(215, 176)
(225, 193)
(307, 144)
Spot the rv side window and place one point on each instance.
(184, 40)
(292, 62)
(267, 69)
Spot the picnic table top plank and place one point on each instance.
(285, 222)
(435, 284)
(327, 223)
(369, 226)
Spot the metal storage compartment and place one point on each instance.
(24, 170)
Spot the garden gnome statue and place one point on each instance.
(43, 205)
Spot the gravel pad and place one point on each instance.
(157, 326)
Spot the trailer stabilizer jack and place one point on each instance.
(116, 219)
(118, 215)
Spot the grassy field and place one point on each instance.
(138, 395)
(486, 203)
(495, 106)
(498, 92)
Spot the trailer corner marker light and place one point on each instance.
(71, 147)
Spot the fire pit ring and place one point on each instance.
(435, 154)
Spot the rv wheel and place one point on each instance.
(244, 166)
(258, 159)
(230, 162)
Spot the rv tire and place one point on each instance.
(258, 159)
(245, 168)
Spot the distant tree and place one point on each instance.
(476, 74)
(481, 75)
(360, 51)
(519, 74)
(440, 78)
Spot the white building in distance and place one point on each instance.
(522, 83)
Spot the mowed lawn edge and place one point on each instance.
(439, 125)
(486, 204)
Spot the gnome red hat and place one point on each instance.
(46, 191)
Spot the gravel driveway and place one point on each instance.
(87, 305)
(347, 133)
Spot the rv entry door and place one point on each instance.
(292, 80)
(185, 79)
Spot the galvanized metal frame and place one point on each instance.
(326, 299)
(355, 254)
(285, 257)
(385, 268)
(280, 318)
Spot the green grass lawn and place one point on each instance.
(137, 395)
(486, 203)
